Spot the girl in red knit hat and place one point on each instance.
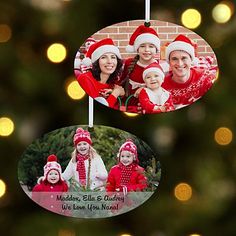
(145, 43)
(86, 166)
(127, 175)
(50, 186)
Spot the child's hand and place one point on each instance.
(105, 92)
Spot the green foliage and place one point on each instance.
(106, 141)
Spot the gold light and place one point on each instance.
(130, 114)
(56, 53)
(223, 136)
(6, 126)
(5, 33)
(191, 18)
(183, 192)
(221, 13)
(2, 188)
(74, 90)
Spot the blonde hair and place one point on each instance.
(92, 154)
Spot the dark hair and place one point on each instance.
(125, 82)
(96, 71)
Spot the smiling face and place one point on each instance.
(153, 80)
(108, 63)
(126, 157)
(82, 148)
(146, 52)
(53, 176)
(180, 63)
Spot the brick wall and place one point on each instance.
(121, 33)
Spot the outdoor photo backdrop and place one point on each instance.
(196, 145)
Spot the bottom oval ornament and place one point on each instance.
(96, 174)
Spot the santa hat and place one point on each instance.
(182, 43)
(99, 48)
(143, 34)
(82, 135)
(90, 39)
(129, 146)
(154, 67)
(52, 164)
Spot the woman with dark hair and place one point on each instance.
(100, 82)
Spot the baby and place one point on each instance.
(153, 98)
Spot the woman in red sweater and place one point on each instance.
(100, 82)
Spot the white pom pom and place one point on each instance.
(129, 48)
(87, 61)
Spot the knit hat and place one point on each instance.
(141, 35)
(129, 145)
(99, 48)
(182, 43)
(82, 135)
(154, 67)
(51, 164)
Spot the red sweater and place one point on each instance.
(194, 88)
(137, 182)
(149, 99)
(45, 194)
(93, 87)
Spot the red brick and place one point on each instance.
(167, 29)
(136, 22)
(127, 30)
(125, 23)
(183, 30)
(119, 36)
(109, 30)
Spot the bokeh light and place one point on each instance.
(125, 235)
(56, 53)
(195, 235)
(74, 90)
(221, 13)
(66, 232)
(5, 33)
(223, 136)
(191, 18)
(2, 188)
(164, 137)
(129, 114)
(183, 192)
(47, 5)
(6, 126)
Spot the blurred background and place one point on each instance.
(195, 145)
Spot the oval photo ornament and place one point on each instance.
(138, 69)
(97, 174)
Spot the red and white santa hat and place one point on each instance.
(82, 135)
(51, 164)
(182, 43)
(99, 48)
(129, 145)
(154, 67)
(90, 40)
(143, 34)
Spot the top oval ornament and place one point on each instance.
(134, 68)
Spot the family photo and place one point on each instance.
(77, 173)
(145, 68)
